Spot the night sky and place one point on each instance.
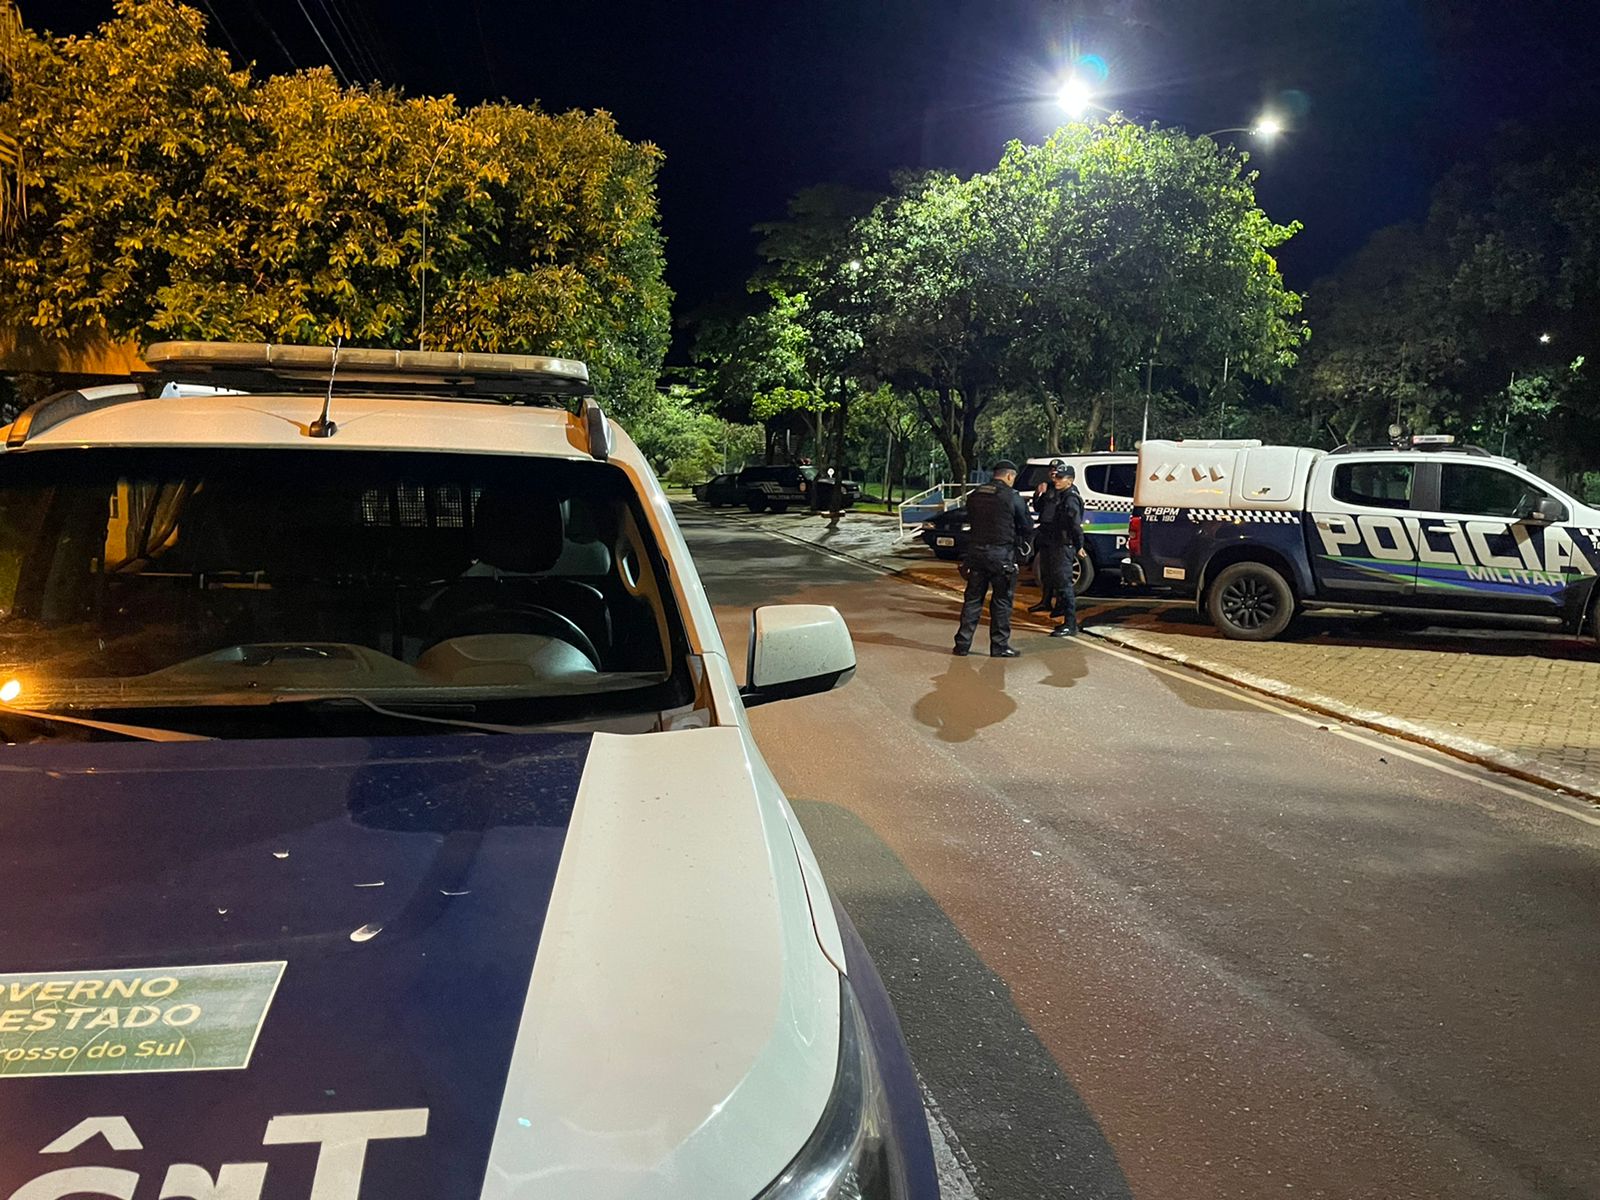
(753, 99)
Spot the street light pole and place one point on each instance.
(1149, 375)
(1505, 429)
(1222, 412)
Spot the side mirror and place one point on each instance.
(1546, 512)
(796, 650)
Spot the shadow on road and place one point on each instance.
(1022, 1122)
(1067, 666)
(966, 698)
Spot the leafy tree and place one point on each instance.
(1128, 246)
(172, 195)
(1477, 321)
(13, 193)
(935, 327)
(1059, 273)
(813, 277)
(686, 442)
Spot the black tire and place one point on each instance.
(947, 554)
(1083, 575)
(1250, 602)
(780, 508)
(756, 504)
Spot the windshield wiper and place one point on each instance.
(398, 714)
(134, 733)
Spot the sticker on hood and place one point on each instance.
(203, 1018)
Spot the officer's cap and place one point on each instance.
(1062, 470)
(1001, 467)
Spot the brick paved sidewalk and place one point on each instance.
(1524, 703)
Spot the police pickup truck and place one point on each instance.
(1454, 534)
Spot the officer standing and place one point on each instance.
(1060, 508)
(1001, 527)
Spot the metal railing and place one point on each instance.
(924, 506)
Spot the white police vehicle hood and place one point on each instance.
(437, 968)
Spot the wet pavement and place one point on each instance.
(1153, 936)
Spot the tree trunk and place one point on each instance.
(1056, 405)
(1097, 413)
(970, 409)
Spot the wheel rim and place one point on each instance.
(1249, 603)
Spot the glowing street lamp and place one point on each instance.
(1266, 128)
(1075, 96)
(1544, 339)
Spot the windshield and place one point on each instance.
(529, 590)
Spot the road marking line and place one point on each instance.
(958, 1177)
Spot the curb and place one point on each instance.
(1479, 753)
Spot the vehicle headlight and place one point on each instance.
(851, 1155)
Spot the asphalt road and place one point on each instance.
(1151, 936)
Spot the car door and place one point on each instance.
(1477, 548)
(1360, 545)
(1107, 505)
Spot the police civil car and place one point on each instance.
(1426, 529)
(380, 818)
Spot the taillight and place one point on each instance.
(1135, 535)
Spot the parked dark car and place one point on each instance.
(946, 534)
(850, 489)
(720, 491)
(774, 489)
(770, 489)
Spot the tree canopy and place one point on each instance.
(1477, 321)
(1049, 281)
(173, 194)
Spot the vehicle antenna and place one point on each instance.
(322, 427)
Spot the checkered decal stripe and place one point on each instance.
(1110, 506)
(1244, 516)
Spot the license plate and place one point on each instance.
(944, 541)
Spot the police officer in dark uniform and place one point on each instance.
(1001, 527)
(1060, 508)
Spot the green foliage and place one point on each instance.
(1126, 243)
(1438, 325)
(171, 195)
(1060, 272)
(684, 441)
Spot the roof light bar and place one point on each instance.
(258, 364)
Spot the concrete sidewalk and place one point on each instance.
(1525, 704)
